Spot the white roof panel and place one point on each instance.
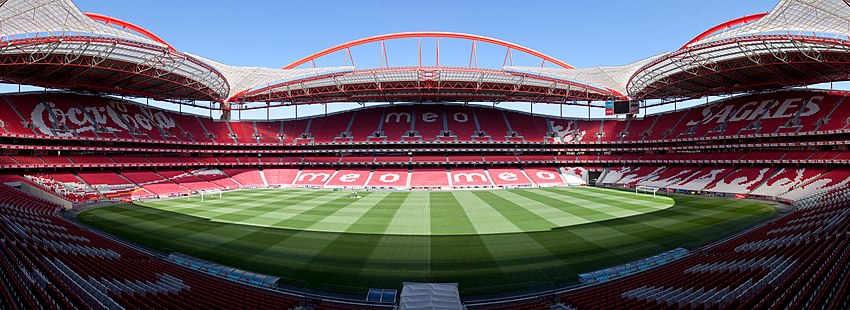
(246, 78)
(19, 18)
(615, 77)
(824, 17)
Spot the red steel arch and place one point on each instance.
(723, 26)
(128, 25)
(429, 34)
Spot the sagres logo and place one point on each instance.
(752, 110)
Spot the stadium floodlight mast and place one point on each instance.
(646, 190)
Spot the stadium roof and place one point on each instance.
(53, 44)
(799, 42)
(615, 77)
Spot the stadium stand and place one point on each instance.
(786, 179)
(701, 179)
(741, 181)
(389, 178)
(496, 127)
(281, 177)
(429, 178)
(75, 268)
(789, 112)
(217, 178)
(773, 266)
(544, 176)
(349, 178)
(470, 178)
(314, 177)
(667, 176)
(531, 128)
(357, 159)
(367, 124)
(247, 177)
(768, 141)
(392, 159)
(461, 122)
(110, 184)
(191, 181)
(330, 128)
(509, 176)
(574, 175)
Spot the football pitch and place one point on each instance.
(487, 241)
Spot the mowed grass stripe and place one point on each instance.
(521, 217)
(312, 216)
(519, 255)
(456, 249)
(635, 229)
(598, 208)
(172, 230)
(352, 262)
(449, 217)
(398, 257)
(394, 256)
(264, 210)
(348, 214)
(637, 203)
(379, 217)
(229, 201)
(289, 213)
(346, 258)
(546, 198)
(558, 216)
(483, 216)
(695, 219)
(413, 216)
(313, 261)
(235, 205)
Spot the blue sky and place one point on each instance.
(275, 33)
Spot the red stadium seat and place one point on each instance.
(429, 178)
(470, 178)
(389, 178)
(349, 178)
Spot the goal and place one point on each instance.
(212, 193)
(646, 190)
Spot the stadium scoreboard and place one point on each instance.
(624, 107)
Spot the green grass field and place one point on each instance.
(488, 241)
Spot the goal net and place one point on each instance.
(646, 190)
(210, 194)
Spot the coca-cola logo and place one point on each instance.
(115, 116)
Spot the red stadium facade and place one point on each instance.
(70, 148)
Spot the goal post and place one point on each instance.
(210, 193)
(646, 190)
